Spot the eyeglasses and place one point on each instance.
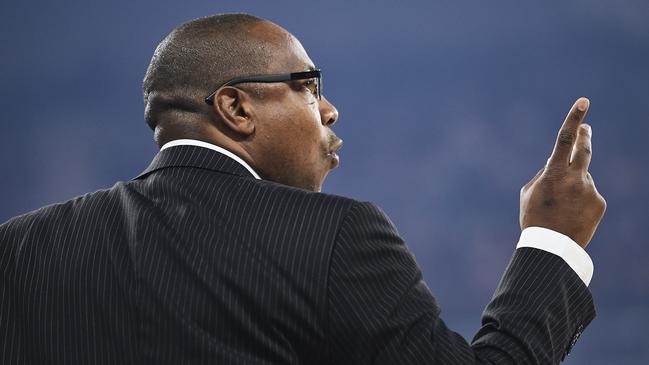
(313, 74)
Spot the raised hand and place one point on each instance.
(562, 196)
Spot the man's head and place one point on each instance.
(281, 129)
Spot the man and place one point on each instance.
(223, 250)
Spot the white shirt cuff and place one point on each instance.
(560, 245)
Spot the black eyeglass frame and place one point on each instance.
(304, 75)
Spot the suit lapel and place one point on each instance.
(195, 157)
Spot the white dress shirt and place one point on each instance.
(534, 237)
(193, 142)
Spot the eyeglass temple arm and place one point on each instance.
(241, 80)
(269, 78)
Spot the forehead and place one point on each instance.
(288, 54)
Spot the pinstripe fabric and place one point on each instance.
(196, 262)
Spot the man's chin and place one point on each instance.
(310, 185)
(315, 186)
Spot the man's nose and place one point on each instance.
(328, 112)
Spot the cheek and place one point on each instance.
(307, 136)
(314, 139)
(296, 144)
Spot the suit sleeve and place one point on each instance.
(381, 311)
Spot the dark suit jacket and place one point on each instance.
(196, 262)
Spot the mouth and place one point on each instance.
(333, 148)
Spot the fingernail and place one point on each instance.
(582, 104)
(588, 129)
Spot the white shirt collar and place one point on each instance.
(193, 142)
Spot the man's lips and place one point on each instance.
(335, 146)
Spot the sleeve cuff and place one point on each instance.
(560, 245)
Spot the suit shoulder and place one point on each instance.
(57, 211)
(297, 195)
(353, 209)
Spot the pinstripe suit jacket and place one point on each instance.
(196, 262)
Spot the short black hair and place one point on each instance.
(196, 58)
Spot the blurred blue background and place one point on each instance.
(447, 109)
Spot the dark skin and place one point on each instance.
(562, 196)
(284, 132)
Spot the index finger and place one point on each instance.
(568, 133)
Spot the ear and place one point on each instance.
(234, 107)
